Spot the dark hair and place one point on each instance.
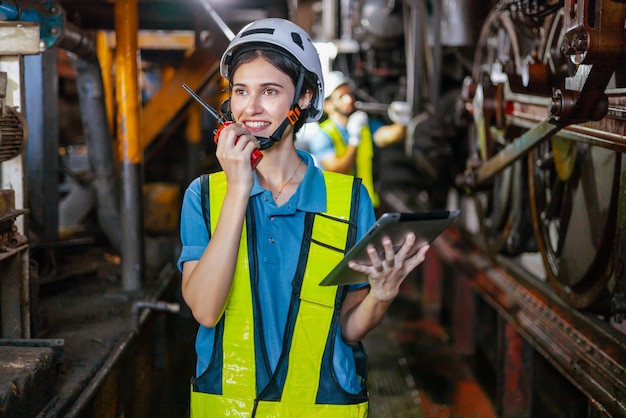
(281, 60)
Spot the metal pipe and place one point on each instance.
(380, 108)
(97, 128)
(329, 20)
(346, 19)
(129, 136)
(80, 43)
(435, 77)
(99, 147)
(160, 306)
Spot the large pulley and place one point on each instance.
(13, 131)
(499, 204)
(571, 184)
(573, 197)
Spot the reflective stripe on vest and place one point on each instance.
(364, 155)
(310, 330)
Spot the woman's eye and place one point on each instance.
(269, 92)
(239, 92)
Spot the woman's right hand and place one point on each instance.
(234, 149)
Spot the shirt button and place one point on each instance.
(272, 218)
(271, 240)
(265, 198)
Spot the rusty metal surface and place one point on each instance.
(11, 241)
(27, 378)
(587, 351)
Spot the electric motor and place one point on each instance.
(12, 126)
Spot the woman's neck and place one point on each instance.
(281, 174)
(278, 164)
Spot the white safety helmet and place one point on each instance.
(332, 81)
(288, 37)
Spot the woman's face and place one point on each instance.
(261, 96)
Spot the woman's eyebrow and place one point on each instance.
(268, 84)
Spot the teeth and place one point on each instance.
(257, 124)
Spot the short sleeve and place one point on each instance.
(194, 235)
(321, 145)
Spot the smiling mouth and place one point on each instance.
(257, 125)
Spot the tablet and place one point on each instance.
(425, 225)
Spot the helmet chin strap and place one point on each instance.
(294, 115)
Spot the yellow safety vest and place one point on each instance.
(294, 386)
(364, 155)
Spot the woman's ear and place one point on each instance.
(305, 99)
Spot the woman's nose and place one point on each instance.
(253, 105)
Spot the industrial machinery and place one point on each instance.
(546, 97)
(539, 102)
(541, 98)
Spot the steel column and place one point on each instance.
(130, 142)
(42, 148)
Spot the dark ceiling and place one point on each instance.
(174, 14)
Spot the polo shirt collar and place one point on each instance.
(311, 193)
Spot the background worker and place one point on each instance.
(345, 142)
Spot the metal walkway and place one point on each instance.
(391, 387)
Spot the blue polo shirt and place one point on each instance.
(279, 236)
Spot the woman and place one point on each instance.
(257, 242)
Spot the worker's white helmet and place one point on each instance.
(332, 81)
(284, 36)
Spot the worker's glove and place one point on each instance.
(356, 122)
(399, 112)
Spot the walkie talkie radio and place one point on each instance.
(256, 156)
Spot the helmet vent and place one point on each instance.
(268, 31)
(297, 40)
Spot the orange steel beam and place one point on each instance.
(159, 39)
(196, 71)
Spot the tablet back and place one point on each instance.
(425, 225)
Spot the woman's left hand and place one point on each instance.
(387, 273)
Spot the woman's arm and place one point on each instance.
(206, 282)
(363, 309)
(343, 164)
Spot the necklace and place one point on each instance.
(288, 181)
